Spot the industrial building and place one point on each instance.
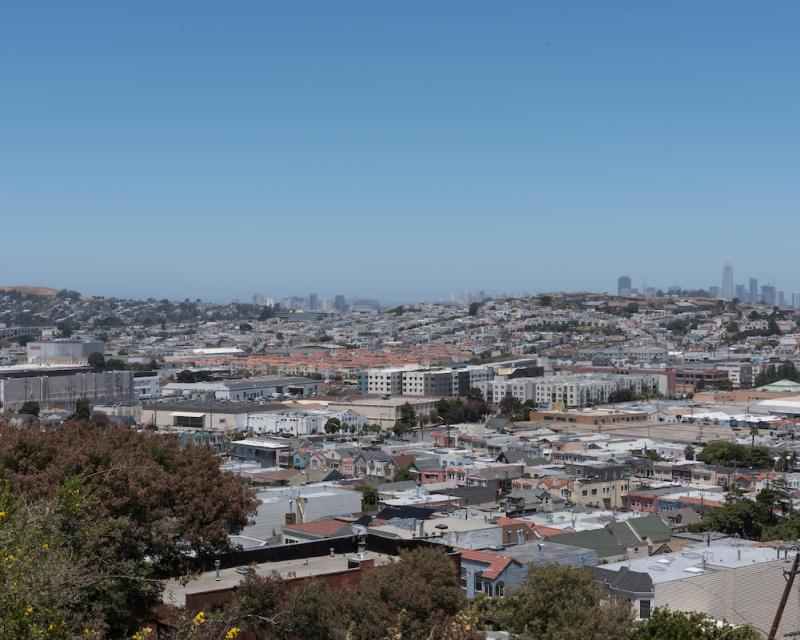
(61, 387)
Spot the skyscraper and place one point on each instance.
(726, 291)
(313, 302)
(753, 290)
(339, 303)
(768, 295)
(741, 293)
(623, 285)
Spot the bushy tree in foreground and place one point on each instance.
(558, 603)
(169, 500)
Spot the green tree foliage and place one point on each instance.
(61, 570)
(559, 603)
(97, 361)
(728, 454)
(83, 409)
(753, 519)
(333, 425)
(417, 598)
(187, 376)
(31, 408)
(407, 415)
(457, 410)
(689, 452)
(784, 371)
(419, 595)
(475, 394)
(664, 624)
(474, 307)
(509, 405)
(267, 312)
(245, 327)
(369, 496)
(404, 475)
(167, 500)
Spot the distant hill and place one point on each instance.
(28, 289)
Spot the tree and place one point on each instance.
(114, 364)
(187, 376)
(333, 425)
(369, 496)
(400, 429)
(475, 394)
(267, 312)
(31, 408)
(419, 594)
(474, 307)
(62, 573)
(404, 475)
(747, 518)
(688, 452)
(537, 610)
(728, 454)
(664, 624)
(175, 506)
(408, 416)
(725, 385)
(97, 361)
(83, 410)
(509, 404)
(245, 327)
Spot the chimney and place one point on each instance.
(290, 518)
(541, 550)
(520, 536)
(421, 530)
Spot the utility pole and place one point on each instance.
(789, 575)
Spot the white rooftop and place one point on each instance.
(698, 561)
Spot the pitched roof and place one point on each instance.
(497, 564)
(403, 461)
(600, 540)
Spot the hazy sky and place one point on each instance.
(401, 150)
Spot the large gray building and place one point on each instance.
(60, 388)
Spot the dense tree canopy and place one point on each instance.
(768, 517)
(169, 498)
(559, 603)
(728, 454)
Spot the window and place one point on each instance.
(498, 589)
(463, 577)
(644, 609)
(478, 582)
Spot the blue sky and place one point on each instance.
(401, 150)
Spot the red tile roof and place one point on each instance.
(497, 564)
